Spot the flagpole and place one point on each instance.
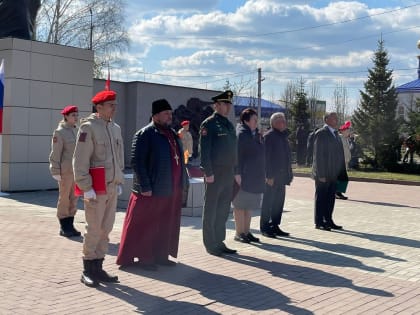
(1, 125)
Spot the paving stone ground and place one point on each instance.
(371, 267)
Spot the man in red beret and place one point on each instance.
(99, 150)
(186, 138)
(62, 148)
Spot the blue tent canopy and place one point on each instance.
(267, 108)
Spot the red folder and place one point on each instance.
(98, 181)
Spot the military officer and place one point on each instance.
(99, 144)
(62, 148)
(218, 160)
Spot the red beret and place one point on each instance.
(103, 96)
(69, 109)
(185, 122)
(346, 125)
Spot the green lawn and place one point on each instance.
(370, 174)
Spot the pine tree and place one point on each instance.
(375, 118)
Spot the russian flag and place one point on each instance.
(1, 94)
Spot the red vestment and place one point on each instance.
(152, 224)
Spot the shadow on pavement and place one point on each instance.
(389, 239)
(305, 275)
(319, 257)
(342, 248)
(149, 304)
(386, 204)
(222, 289)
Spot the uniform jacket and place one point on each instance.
(62, 148)
(151, 161)
(251, 163)
(99, 143)
(346, 149)
(278, 160)
(187, 140)
(217, 143)
(328, 157)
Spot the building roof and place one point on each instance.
(267, 107)
(413, 86)
(410, 87)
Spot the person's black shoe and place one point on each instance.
(252, 238)
(323, 227)
(339, 195)
(242, 238)
(226, 249)
(88, 277)
(277, 231)
(101, 274)
(269, 234)
(335, 226)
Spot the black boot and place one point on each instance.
(64, 228)
(89, 273)
(72, 228)
(101, 274)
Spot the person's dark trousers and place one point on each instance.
(217, 199)
(324, 202)
(272, 207)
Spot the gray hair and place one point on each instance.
(276, 116)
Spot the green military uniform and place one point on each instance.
(218, 158)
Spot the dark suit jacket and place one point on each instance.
(328, 157)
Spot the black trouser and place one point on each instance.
(217, 199)
(324, 202)
(272, 206)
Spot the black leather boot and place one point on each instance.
(89, 273)
(101, 274)
(64, 228)
(72, 228)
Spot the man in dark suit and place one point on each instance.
(328, 166)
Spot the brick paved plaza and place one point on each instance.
(371, 267)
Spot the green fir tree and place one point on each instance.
(375, 118)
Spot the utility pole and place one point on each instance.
(91, 29)
(259, 98)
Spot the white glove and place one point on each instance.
(57, 177)
(90, 194)
(119, 190)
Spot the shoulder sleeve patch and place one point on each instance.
(82, 137)
(55, 139)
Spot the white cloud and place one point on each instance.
(278, 36)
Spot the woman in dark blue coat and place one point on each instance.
(251, 176)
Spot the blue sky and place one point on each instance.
(326, 43)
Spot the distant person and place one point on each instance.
(410, 147)
(99, 147)
(187, 140)
(344, 135)
(301, 145)
(252, 175)
(355, 152)
(327, 168)
(218, 161)
(278, 174)
(310, 147)
(153, 218)
(62, 149)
